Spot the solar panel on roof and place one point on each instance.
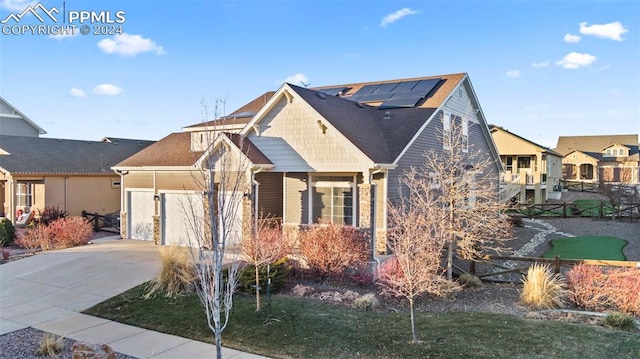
(386, 88)
(401, 102)
(366, 90)
(375, 97)
(406, 86)
(425, 86)
(334, 91)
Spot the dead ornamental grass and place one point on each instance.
(177, 273)
(542, 289)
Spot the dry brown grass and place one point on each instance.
(50, 345)
(177, 273)
(542, 288)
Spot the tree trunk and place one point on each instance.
(257, 289)
(450, 261)
(218, 345)
(414, 332)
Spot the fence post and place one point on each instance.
(472, 267)
(564, 209)
(601, 209)
(95, 222)
(556, 264)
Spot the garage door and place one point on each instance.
(181, 214)
(140, 215)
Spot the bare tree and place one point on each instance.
(614, 184)
(416, 240)
(264, 246)
(467, 193)
(214, 224)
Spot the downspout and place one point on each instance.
(122, 197)
(12, 201)
(256, 190)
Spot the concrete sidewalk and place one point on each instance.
(47, 291)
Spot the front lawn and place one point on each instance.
(588, 247)
(307, 328)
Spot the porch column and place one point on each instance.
(364, 206)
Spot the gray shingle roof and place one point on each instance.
(380, 139)
(37, 155)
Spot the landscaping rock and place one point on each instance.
(92, 351)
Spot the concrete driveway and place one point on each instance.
(56, 284)
(47, 291)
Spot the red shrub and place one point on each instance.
(38, 237)
(329, 249)
(599, 288)
(71, 232)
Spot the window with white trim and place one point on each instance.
(24, 194)
(434, 180)
(469, 187)
(333, 199)
(465, 135)
(446, 132)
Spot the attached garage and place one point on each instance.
(181, 214)
(140, 210)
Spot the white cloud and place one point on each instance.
(541, 64)
(570, 38)
(63, 36)
(393, 17)
(297, 79)
(612, 30)
(107, 89)
(129, 45)
(76, 92)
(576, 60)
(16, 5)
(513, 73)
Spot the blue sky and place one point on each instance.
(541, 69)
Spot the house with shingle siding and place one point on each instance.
(15, 123)
(332, 153)
(73, 175)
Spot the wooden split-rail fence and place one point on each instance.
(103, 222)
(502, 266)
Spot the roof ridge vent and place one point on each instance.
(387, 115)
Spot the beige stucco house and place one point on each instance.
(608, 158)
(534, 169)
(333, 153)
(73, 175)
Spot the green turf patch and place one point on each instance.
(592, 247)
(306, 328)
(592, 207)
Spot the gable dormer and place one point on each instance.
(615, 150)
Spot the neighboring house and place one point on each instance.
(608, 158)
(533, 170)
(334, 153)
(74, 175)
(581, 166)
(15, 123)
